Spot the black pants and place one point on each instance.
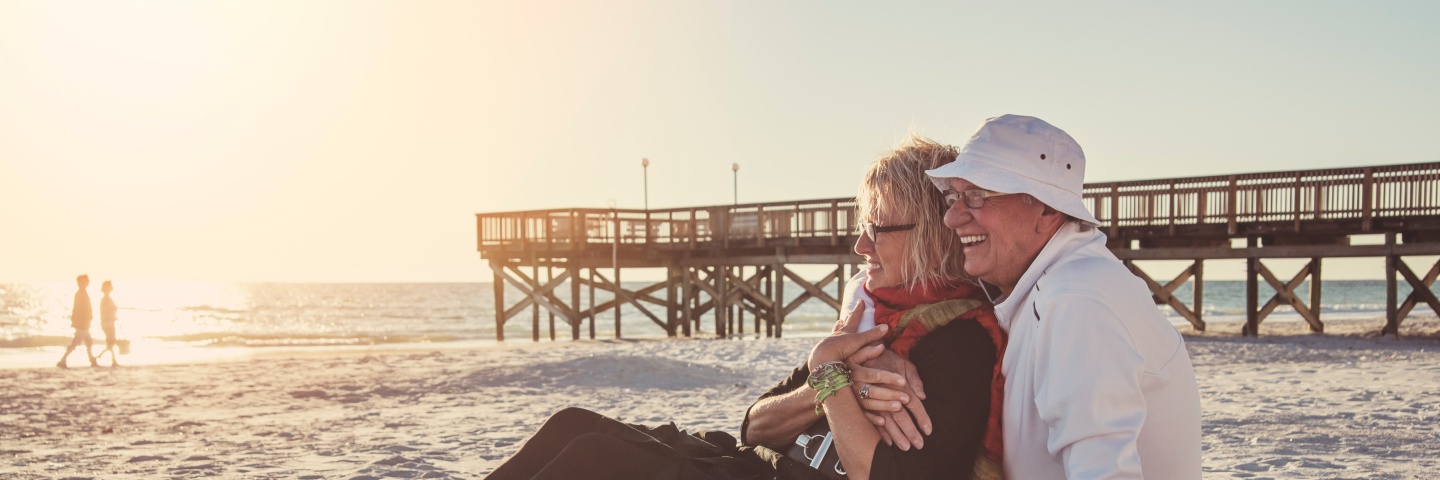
(578, 443)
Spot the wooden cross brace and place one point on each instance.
(703, 279)
(633, 298)
(812, 290)
(692, 280)
(1285, 292)
(749, 289)
(536, 294)
(1420, 291)
(643, 294)
(1165, 294)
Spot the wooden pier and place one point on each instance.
(723, 260)
(730, 260)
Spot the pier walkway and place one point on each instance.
(730, 260)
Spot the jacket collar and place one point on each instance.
(1071, 237)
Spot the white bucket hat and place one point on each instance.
(1019, 154)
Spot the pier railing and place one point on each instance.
(1361, 193)
(828, 220)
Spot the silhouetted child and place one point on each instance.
(107, 322)
(80, 317)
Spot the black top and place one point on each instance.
(956, 363)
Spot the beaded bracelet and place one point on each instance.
(827, 379)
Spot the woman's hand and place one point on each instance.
(841, 345)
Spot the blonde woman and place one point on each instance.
(926, 404)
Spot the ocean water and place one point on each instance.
(179, 321)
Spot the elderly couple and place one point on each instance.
(992, 336)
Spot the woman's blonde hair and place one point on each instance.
(897, 187)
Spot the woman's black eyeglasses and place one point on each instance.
(870, 229)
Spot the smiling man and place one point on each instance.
(1097, 382)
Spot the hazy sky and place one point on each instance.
(354, 140)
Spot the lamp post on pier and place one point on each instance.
(645, 165)
(735, 169)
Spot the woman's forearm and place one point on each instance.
(855, 437)
(777, 420)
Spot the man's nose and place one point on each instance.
(958, 214)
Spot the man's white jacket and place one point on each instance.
(1097, 382)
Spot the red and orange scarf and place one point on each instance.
(913, 312)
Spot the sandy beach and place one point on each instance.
(1286, 405)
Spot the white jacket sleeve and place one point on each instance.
(1088, 391)
(855, 297)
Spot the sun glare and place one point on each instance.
(158, 321)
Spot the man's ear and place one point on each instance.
(1049, 220)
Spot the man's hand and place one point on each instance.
(893, 391)
(891, 386)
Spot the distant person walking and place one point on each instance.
(107, 322)
(80, 317)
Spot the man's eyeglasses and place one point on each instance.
(973, 198)
(870, 229)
